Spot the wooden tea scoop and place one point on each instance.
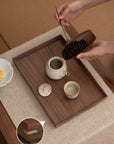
(80, 43)
(62, 24)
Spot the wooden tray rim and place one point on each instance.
(37, 48)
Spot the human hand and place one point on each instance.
(69, 12)
(97, 49)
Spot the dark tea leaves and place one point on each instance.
(74, 49)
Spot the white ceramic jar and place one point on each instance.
(56, 68)
(71, 89)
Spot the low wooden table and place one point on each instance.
(7, 128)
(20, 103)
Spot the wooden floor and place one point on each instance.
(3, 45)
(22, 21)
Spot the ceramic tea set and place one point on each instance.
(56, 69)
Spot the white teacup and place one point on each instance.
(56, 68)
(71, 89)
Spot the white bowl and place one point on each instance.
(71, 89)
(7, 69)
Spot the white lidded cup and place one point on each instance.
(56, 68)
(71, 89)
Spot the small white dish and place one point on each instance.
(71, 89)
(45, 89)
(7, 69)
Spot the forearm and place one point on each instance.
(110, 47)
(91, 3)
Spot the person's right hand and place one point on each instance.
(97, 49)
(70, 12)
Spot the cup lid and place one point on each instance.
(45, 89)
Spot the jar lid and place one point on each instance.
(45, 89)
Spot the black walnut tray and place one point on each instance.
(59, 108)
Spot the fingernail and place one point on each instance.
(60, 17)
(67, 24)
(78, 56)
